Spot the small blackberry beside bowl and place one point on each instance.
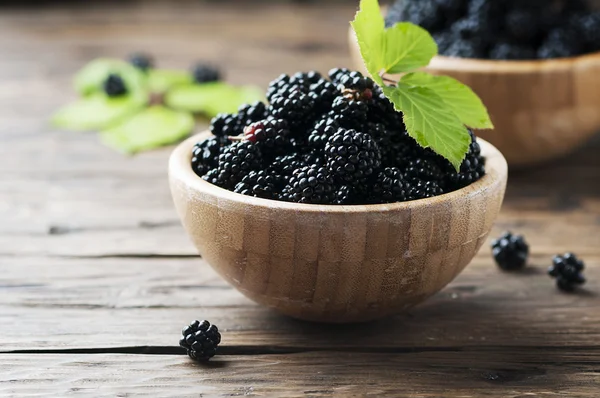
(326, 141)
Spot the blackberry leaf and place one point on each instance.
(430, 122)
(458, 97)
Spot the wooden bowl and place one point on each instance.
(336, 263)
(541, 110)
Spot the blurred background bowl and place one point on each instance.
(336, 263)
(541, 110)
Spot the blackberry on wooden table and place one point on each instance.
(510, 251)
(200, 340)
(568, 271)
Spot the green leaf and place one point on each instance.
(153, 127)
(89, 80)
(211, 98)
(161, 80)
(96, 111)
(458, 97)
(369, 27)
(407, 47)
(430, 122)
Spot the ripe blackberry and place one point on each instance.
(259, 184)
(271, 136)
(203, 73)
(205, 155)
(310, 184)
(588, 27)
(444, 41)
(426, 14)
(323, 93)
(420, 189)
(560, 43)
(276, 86)
(212, 176)
(390, 186)
(114, 86)
(336, 74)
(141, 61)
(522, 26)
(346, 195)
(465, 49)
(295, 107)
(356, 81)
(250, 113)
(224, 125)
(348, 112)
(237, 160)
(352, 156)
(320, 133)
(568, 271)
(200, 339)
(471, 170)
(424, 168)
(510, 251)
(286, 164)
(304, 80)
(505, 50)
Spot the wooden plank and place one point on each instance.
(495, 373)
(86, 303)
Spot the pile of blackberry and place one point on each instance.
(504, 29)
(335, 141)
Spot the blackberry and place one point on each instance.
(390, 186)
(560, 43)
(465, 49)
(278, 85)
(203, 73)
(224, 125)
(237, 160)
(505, 50)
(444, 41)
(285, 165)
(320, 133)
(200, 339)
(352, 156)
(588, 28)
(250, 113)
(510, 251)
(323, 93)
(304, 80)
(336, 74)
(356, 81)
(424, 169)
(469, 28)
(310, 184)
(420, 189)
(295, 107)
(427, 14)
(568, 271)
(212, 176)
(270, 135)
(205, 155)
(346, 195)
(471, 169)
(259, 184)
(141, 61)
(349, 112)
(114, 86)
(522, 26)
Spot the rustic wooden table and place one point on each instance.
(97, 276)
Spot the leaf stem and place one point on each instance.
(387, 79)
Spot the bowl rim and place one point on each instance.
(441, 62)
(180, 169)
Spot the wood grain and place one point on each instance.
(93, 258)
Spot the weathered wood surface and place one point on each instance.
(96, 274)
